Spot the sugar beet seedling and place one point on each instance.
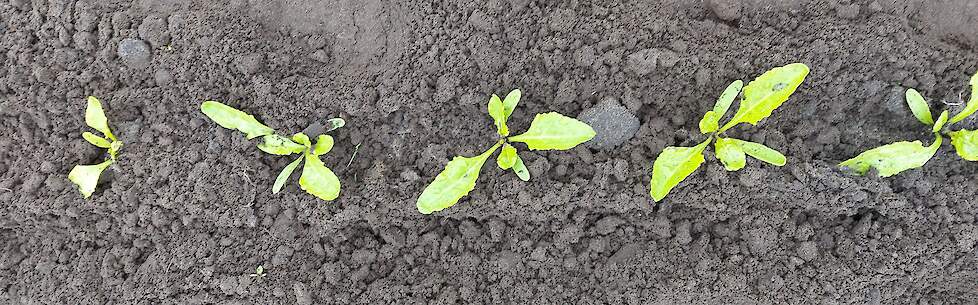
(87, 176)
(548, 131)
(316, 178)
(893, 158)
(761, 97)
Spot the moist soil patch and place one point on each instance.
(187, 214)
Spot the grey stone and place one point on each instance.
(153, 30)
(608, 224)
(134, 53)
(302, 295)
(320, 56)
(808, 251)
(163, 77)
(612, 123)
(727, 10)
(250, 64)
(850, 11)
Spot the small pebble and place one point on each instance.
(727, 10)
(163, 77)
(134, 53)
(612, 123)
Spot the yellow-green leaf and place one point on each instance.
(456, 181)
(95, 117)
(114, 149)
(919, 107)
(279, 145)
(554, 131)
(498, 114)
(96, 140)
(766, 93)
(511, 100)
(972, 105)
(672, 166)
(711, 120)
(333, 124)
(520, 169)
(761, 152)
(730, 154)
(283, 176)
(966, 144)
(891, 159)
(235, 119)
(940, 122)
(319, 180)
(86, 176)
(324, 143)
(302, 139)
(507, 157)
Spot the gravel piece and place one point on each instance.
(134, 53)
(612, 123)
(727, 10)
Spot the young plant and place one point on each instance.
(548, 131)
(891, 159)
(316, 178)
(761, 97)
(86, 176)
(259, 272)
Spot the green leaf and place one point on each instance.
(318, 180)
(520, 169)
(730, 154)
(324, 143)
(966, 144)
(919, 107)
(972, 105)
(95, 117)
(672, 166)
(507, 157)
(763, 153)
(498, 114)
(891, 159)
(554, 131)
(279, 145)
(235, 119)
(711, 120)
(940, 122)
(302, 139)
(114, 149)
(767, 92)
(511, 100)
(283, 177)
(333, 124)
(86, 176)
(456, 181)
(96, 140)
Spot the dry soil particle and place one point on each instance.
(188, 215)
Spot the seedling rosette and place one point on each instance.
(316, 178)
(760, 98)
(87, 176)
(894, 158)
(548, 131)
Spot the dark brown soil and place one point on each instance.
(188, 213)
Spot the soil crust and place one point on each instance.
(188, 213)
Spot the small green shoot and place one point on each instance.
(548, 131)
(316, 178)
(259, 272)
(894, 158)
(87, 176)
(760, 98)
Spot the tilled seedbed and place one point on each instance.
(186, 213)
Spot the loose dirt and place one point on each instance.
(188, 213)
